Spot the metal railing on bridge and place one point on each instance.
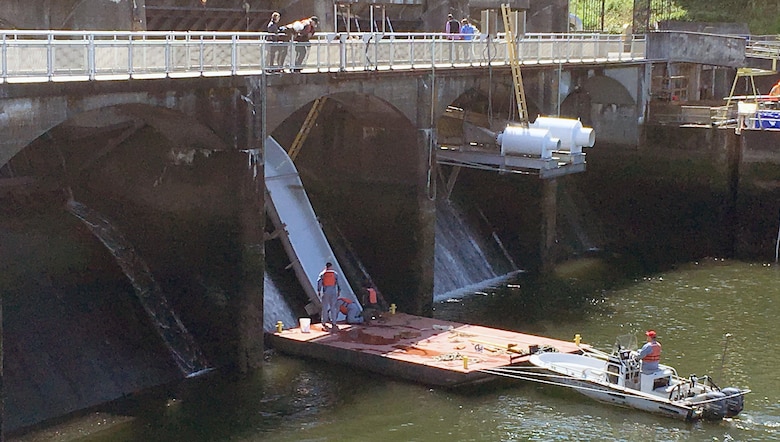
(763, 46)
(39, 56)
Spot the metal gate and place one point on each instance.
(591, 15)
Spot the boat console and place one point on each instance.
(659, 379)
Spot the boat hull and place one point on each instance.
(628, 399)
(598, 379)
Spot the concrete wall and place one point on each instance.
(711, 49)
(71, 14)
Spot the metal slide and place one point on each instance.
(291, 213)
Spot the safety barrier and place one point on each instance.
(36, 56)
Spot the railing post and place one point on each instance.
(91, 68)
(391, 49)
(50, 56)
(130, 70)
(433, 52)
(234, 54)
(411, 51)
(375, 39)
(342, 52)
(263, 54)
(201, 51)
(4, 59)
(169, 38)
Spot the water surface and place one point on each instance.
(693, 308)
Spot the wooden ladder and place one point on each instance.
(308, 123)
(514, 62)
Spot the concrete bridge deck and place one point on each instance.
(34, 56)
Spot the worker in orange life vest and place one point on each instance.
(373, 302)
(329, 291)
(351, 310)
(775, 91)
(650, 353)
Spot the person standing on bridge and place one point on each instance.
(452, 29)
(329, 291)
(277, 49)
(304, 31)
(468, 31)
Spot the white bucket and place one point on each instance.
(305, 324)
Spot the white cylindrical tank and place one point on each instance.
(570, 131)
(518, 140)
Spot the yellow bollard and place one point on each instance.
(279, 326)
(577, 339)
(392, 309)
(465, 362)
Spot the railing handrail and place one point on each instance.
(65, 55)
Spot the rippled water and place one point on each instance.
(692, 308)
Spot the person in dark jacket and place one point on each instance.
(277, 50)
(452, 29)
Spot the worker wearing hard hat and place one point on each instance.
(775, 91)
(774, 95)
(329, 290)
(351, 310)
(650, 353)
(373, 302)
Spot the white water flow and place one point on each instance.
(463, 262)
(275, 307)
(181, 344)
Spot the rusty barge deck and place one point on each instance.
(426, 350)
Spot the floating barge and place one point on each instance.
(425, 350)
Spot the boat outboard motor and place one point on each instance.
(735, 403)
(714, 410)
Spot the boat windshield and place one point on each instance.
(625, 342)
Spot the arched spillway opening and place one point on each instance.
(90, 297)
(367, 179)
(481, 147)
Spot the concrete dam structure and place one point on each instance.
(173, 163)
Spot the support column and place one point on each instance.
(251, 203)
(2, 375)
(138, 15)
(425, 230)
(548, 224)
(421, 301)
(734, 146)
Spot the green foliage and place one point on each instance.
(762, 16)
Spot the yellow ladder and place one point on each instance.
(308, 123)
(514, 62)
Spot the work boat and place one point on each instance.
(617, 379)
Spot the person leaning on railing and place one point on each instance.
(304, 29)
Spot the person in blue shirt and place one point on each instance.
(467, 29)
